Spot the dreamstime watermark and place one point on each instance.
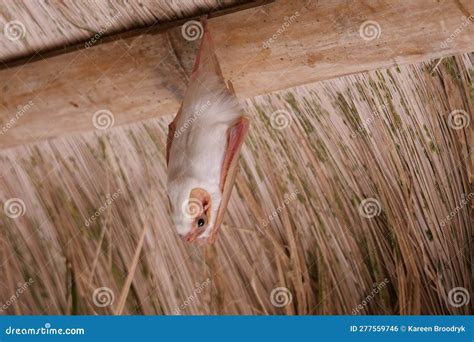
(458, 296)
(22, 287)
(377, 287)
(366, 124)
(14, 208)
(103, 296)
(191, 120)
(277, 211)
(369, 208)
(192, 30)
(280, 119)
(14, 30)
(21, 110)
(197, 291)
(458, 119)
(286, 24)
(370, 30)
(464, 201)
(108, 201)
(192, 208)
(465, 23)
(95, 38)
(103, 119)
(281, 297)
(46, 330)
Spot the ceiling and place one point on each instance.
(58, 23)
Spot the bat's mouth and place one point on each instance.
(199, 234)
(192, 235)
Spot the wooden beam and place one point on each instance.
(277, 46)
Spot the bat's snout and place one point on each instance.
(199, 235)
(190, 237)
(193, 235)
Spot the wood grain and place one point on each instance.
(261, 50)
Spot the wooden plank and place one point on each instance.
(277, 46)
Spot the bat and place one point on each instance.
(203, 146)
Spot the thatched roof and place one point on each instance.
(56, 24)
(382, 135)
(353, 197)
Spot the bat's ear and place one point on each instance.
(199, 197)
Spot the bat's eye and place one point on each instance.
(201, 222)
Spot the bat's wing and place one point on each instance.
(236, 135)
(235, 138)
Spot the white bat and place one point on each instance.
(203, 145)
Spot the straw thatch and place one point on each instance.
(55, 24)
(315, 158)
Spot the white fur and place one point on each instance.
(199, 145)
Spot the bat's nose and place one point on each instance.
(191, 236)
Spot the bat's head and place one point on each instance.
(194, 208)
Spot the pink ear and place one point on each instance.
(201, 195)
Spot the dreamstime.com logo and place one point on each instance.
(458, 119)
(458, 296)
(281, 297)
(103, 119)
(192, 208)
(103, 296)
(14, 208)
(197, 290)
(21, 110)
(377, 287)
(366, 124)
(277, 211)
(94, 39)
(370, 30)
(369, 208)
(14, 30)
(286, 24)
(464, 201)
(280, 119)
(191, 120)
(46, 330)
(465, 23)
(109, 200)
(192, 30)
(20, 289)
